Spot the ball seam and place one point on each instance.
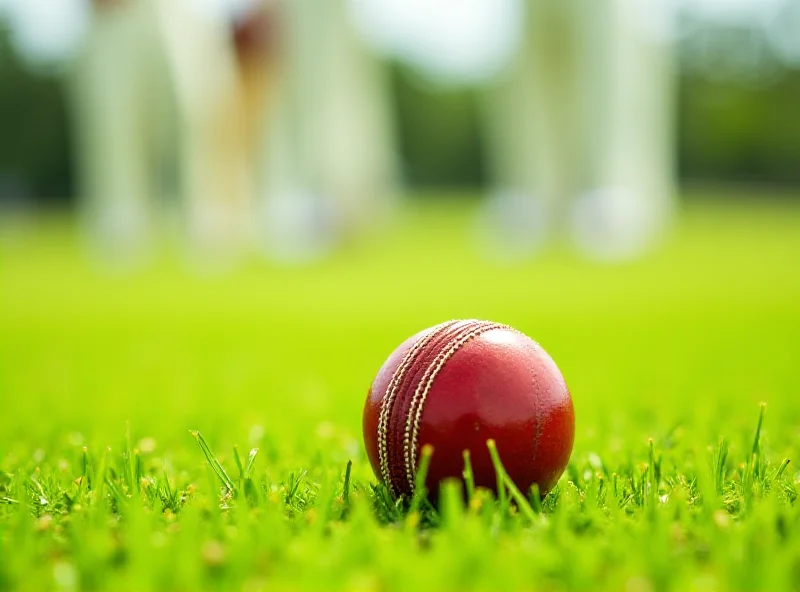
(411, 435)
(387, 403)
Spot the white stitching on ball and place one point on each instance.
(411, 435)
(391, 394)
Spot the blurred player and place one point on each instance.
(119, 95)
(216, 161)
(255, 33)
(579, 130)
(158, 78)
(327, 165)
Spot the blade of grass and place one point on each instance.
(238, 462)
(652, 477)
(535, 498)
(420, 491)
(215, 465)
(346, 488)
(782, 468)
(137, 470)
(469, 476)
(451, 503)
(128, 459)
(718, 461)
(499, 470)
(250, 460)
(757, 438)
(505, 482)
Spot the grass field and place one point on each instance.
(103, 375)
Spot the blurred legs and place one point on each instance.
(583, 116)
(115, 79)
(328, 162)
(215, 163)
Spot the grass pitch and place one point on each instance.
(132, 405)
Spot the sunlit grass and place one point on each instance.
(675, 481)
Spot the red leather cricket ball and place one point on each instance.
(456, 385)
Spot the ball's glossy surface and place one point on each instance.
(455, 386)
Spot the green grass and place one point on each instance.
(132, 405)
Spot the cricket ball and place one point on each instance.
(457, 385)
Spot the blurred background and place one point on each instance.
(620, 179)
(291, 127)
